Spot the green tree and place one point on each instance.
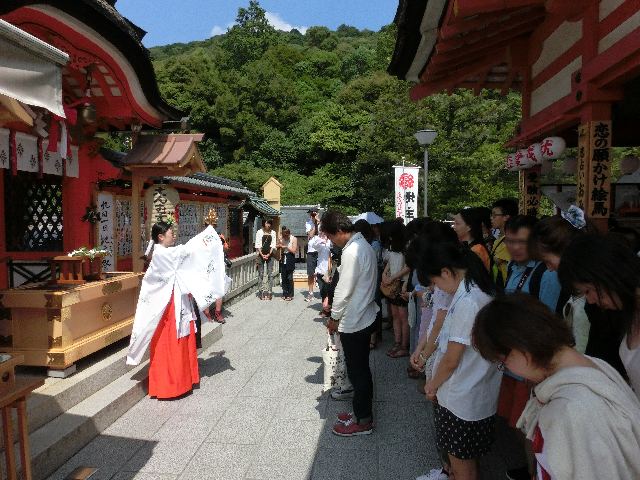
(250, 37)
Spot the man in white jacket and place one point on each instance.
(352, 315)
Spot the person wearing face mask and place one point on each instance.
(549, 239)
(584, 420)
(165, 319)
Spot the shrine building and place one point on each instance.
(576, 64)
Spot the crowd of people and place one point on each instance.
(500, 315)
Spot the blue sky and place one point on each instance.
(171, 21)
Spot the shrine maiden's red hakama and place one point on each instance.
(173, 368)
(177, 279)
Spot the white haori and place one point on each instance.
(195, 268)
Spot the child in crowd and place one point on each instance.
(464, 387)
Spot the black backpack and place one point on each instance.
(535, 273)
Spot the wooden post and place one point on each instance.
(136, 186)
(7, 436)
(593, 182)
(530, 191)
(25, 454)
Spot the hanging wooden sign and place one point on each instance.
(161, 202)
(599, 191)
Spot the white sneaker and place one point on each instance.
(435, 474)
(340, 394)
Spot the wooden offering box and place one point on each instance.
(55, 325)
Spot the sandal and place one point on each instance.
(393, 350)
(399, 353)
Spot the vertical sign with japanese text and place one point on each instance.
(406, 192)
(106, 210)
(532, 190)
(599, 170)
(582, 173)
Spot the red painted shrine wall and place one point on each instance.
(77, 194)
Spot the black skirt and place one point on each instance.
(461, 438)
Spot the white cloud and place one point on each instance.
(218, 30)
(277, 22)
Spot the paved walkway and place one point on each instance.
(259, 414)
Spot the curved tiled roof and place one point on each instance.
(102, 17)
(206, 181)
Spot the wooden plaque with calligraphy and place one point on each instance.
(598, 194)
(530, 191)
(582, 171)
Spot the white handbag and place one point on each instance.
(335, 368)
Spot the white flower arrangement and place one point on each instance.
(89, 253)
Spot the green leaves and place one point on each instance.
(319, 112)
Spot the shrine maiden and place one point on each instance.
(165, 316)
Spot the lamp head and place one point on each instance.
(425, 137)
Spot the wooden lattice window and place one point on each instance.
(33, 212)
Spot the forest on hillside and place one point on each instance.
(319, 112)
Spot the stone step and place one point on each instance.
(66, 414)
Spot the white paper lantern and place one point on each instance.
(522, 161)
(570, 164)
(552, 147)
(629, 164)
(534, 153)
(510, 162)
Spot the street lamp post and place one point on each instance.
(426, 138)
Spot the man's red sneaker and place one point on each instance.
(345, 417)
(352, 428)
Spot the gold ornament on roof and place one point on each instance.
(211, 218)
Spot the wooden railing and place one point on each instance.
(244, 276)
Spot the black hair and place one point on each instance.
(159, 228)
(522, 322)
(266, 220)
(333, 222)
(520, 221)
(471, 217)
(364, 228)
(432, 231)
(609, 265)
(397, 237)
(508, 206)
(552, 235)
(484, 215)
(436, 256)
(628, 235)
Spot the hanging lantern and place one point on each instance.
(552, 147)
(629, 164)
(534, 153)
(510, 162)
(522, 161)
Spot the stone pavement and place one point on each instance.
(260, 414)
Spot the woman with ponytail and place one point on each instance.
(464, 387)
